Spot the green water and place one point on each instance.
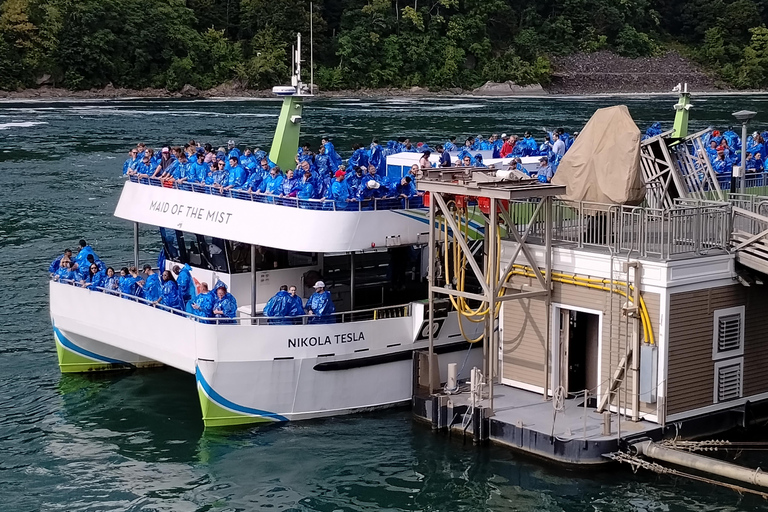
(134, 441)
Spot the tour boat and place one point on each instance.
(251, 369)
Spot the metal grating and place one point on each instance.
(729, 381)
(729, 333)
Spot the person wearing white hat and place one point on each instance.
(320, 305)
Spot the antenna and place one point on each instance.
(311, 52)
(298, 58)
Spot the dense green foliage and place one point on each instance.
(82, 44)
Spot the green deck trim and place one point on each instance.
(70, 362)
(286, 140)
(215, 415)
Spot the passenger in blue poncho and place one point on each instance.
(478, 161)
(405, 188)
(295, 306)
(152, 289)
(306, 188)
(277, 307)
(320, 305)
(111, 281)
(290, 184)
(359, 157)
(65, 272)
(95, 277)
(273, 182)
(451, 144)
(545, 173)
(82, 256)
(225, 305)
(323, 162)
(171, 297)
(721, 165)
(128, 282)
(220, 176)
(92, 259)
(54, 266)
(354, 179)
(131, 161)
(237, 174)
(339, 191)
(248, 160)
(179, 172)
(377, 159)
(330, 151)
(185, 281)
(202, 305)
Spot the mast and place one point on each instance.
(286, 139)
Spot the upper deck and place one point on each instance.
(309, 225)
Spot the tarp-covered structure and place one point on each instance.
(603, 165)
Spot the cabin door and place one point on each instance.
(577, 350)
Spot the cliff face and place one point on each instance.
(606, 72)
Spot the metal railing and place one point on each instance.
(687, 229)
(387, 203)
(342, 317)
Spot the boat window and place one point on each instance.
(198, 250)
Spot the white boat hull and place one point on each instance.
(256, 373)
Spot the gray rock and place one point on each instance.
(508, 88)
(189, 91)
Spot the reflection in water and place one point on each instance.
(135, 441)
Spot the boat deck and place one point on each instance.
(524, 421)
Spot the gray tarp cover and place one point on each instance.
(603, 165)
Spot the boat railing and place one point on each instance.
(375, 204)
(688, 229)
(341, 317)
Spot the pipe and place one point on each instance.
(352, 281)
(431, 284)
(743, 181)
(136, 246)
(253, 281)
(703, 464)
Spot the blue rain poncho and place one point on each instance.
(407, 190)
(321, 306)
(186, 283)
(249, 162)
(55, 264)
(272, 184)
(477, 161)
(377, 159)
(82, 257)
(359, 158)
(339, 193)
(67, 274)
(237, 176)
(227, 304)
(171, 297)
(204, 303)
(220, 177)
(353, 181)
(653, 130)
(721, 166)
(277, 307)
(253, 182)
(128, 285)
(290, 187)
(324, 165)
(331, 153)
(294, 307)
(142, 168)
(95, 280)
(129, 164)
(734, 141)
(306, 190)
(111, 284)
(153, 288)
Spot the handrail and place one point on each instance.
(396, 311)
(375, 204)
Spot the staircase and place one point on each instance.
(749, 233)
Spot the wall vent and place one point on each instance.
(728, 333)
(729, 382)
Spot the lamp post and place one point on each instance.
(743, 116)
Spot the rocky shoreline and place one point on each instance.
(578, 74)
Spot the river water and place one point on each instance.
(135, 441)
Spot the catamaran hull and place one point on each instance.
(256, 373)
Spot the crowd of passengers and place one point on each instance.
(324, 175)
(178, 291)
(724, 149)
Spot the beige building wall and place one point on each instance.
(524, 330)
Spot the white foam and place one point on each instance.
(21, 124)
